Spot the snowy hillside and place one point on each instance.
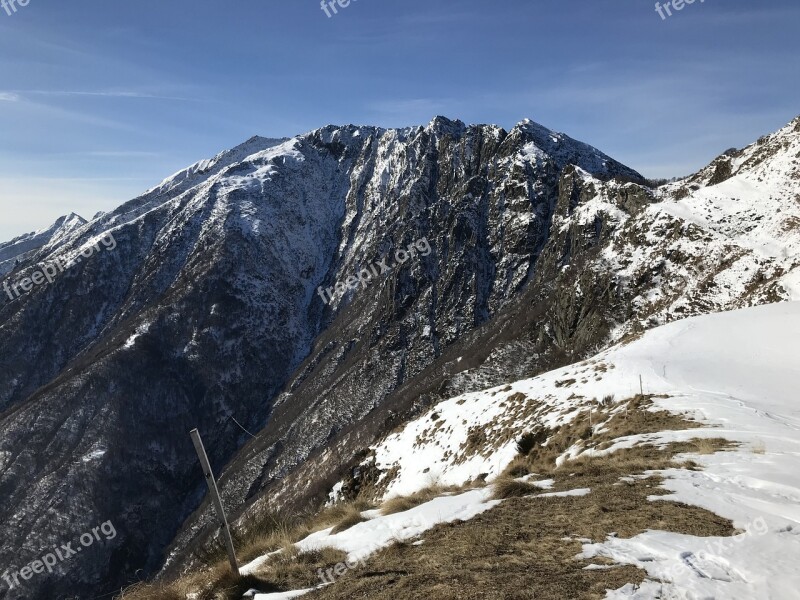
(613, 258)
(749, 199)
(735, 373)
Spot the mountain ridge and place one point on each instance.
(206, 315)
(207, 305)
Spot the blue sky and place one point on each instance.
(101, 99)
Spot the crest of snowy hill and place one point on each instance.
(749, 200)
(202, 170)
(724, 238)
(735, 373)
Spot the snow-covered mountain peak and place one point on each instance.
(25, 246)
(539, 141)
(772, 161)
(190, 176)
(748, 201)
(440, 125)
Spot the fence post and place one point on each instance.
(212, 488)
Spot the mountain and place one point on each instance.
(298, 299)
(25, 246)
(619, 258)
(197, 305)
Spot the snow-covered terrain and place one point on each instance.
(724, 238)
(738, 373)
(26, 246)
(544, 251)
(362, 539)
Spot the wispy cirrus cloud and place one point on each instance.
(118, 154)
(19, 94)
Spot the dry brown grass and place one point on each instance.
(519, 467)
(351, 516)
(615, 422)
(404, 503)
(295, 570)
(518, 550)
(268, 534)
(520, 545)
(290, 569)
(154, 591)
(708, 445)
(507, 487)
(216, 583)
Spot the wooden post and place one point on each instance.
(212, 488)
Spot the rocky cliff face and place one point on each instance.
(206, 312)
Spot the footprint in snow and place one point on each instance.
(708, 566)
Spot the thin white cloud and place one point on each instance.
(50, 111)
(104, 94)
(117, 154)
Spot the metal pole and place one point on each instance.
(212, 488)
